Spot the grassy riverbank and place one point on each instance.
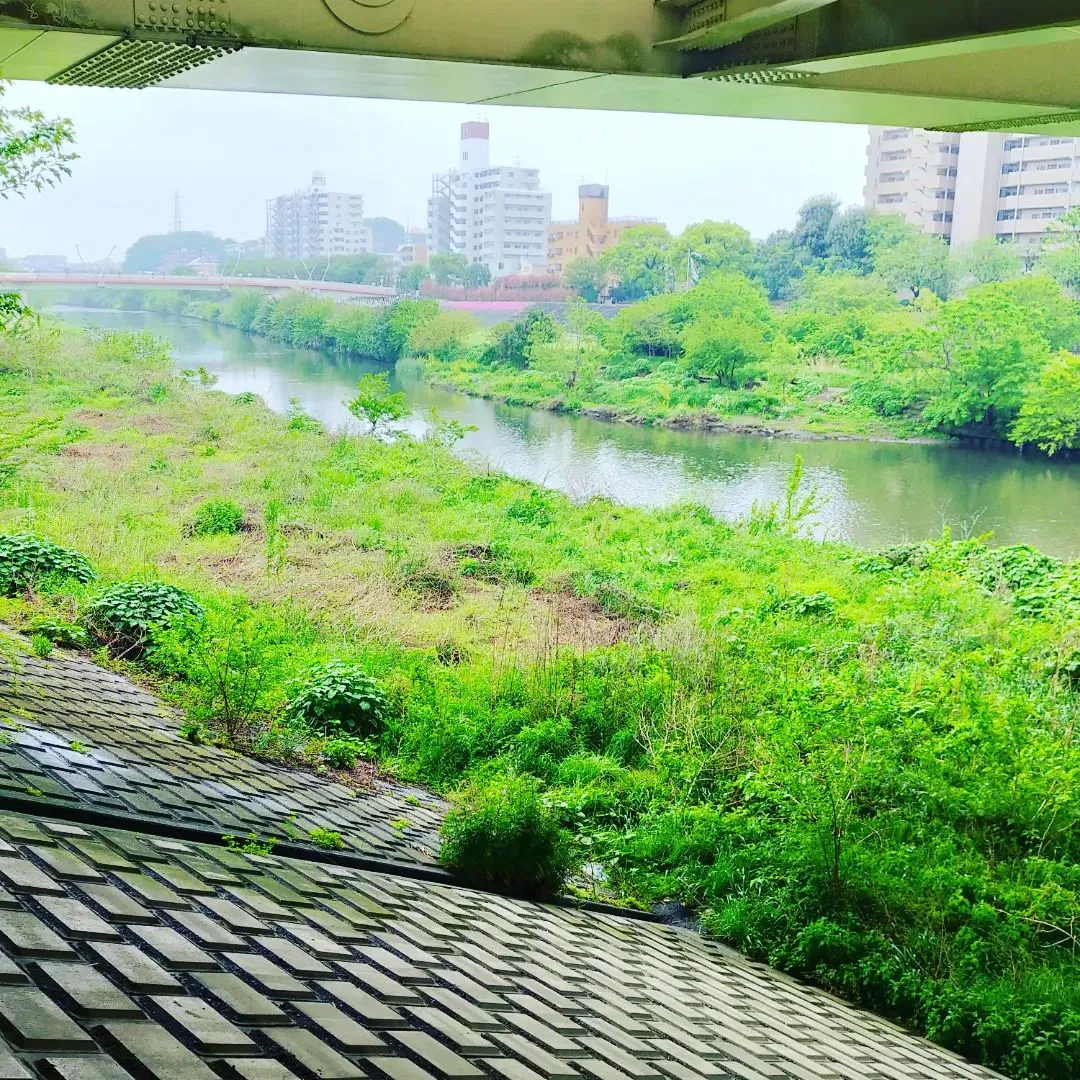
(845, 358)
(862, 769)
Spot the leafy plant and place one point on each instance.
(375, 403)
(502, 835)
(326, 838)
(127, 616)
(217, 517)
(343, 753)
(251, 844)
(42, 647)
(27, 561)
(338, 699)
(60, 632)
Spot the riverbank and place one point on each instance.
(860, 769)
(703, 422)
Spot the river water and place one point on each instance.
(871, 494)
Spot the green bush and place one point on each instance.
(126, 616)
(344, 753)
(338, 699)
(27, 560)
(503, 836)
(217, 517)
(59, 632)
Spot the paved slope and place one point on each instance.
(140, 956)
(76, 735)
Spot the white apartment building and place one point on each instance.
(1011, 187)
(913, 173)
(491, 214)
(315, 223)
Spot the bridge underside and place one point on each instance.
(950, 64)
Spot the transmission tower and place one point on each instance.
(178, 214)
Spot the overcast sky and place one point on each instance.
(226, 153)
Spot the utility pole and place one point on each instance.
(178, 215)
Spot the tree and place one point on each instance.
(585, 277)
(448, 268)
(916, 262)
(778, 264)
(639, 261)
(1060, 257)
(708, 246)
(375, 403)
(35, 152)
(162, 252)
(723, 347)
(513, 342)
(1050, 413)
(988, 260)
(476, 276)
(387, 235)
(849, 241)
(986, 354)
(411, 276)
(813, 224)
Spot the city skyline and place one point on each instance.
(227, 153)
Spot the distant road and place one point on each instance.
(168, 281)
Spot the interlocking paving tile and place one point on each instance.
(218, 989)
(75, 734)
(126, 954)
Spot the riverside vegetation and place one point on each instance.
(861, 768)
(854, 324)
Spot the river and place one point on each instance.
(872, 494)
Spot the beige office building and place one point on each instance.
(979, 184)
(591, 233)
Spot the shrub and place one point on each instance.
(503, 836)
(126, 615)
(59, 632)
(217, 517)
(26, 560)
(338, 699)
(344, 753)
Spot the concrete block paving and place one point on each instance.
(128, 953)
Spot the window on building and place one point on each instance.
(1006, 215)
(1007, 192)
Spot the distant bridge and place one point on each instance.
(354, 290)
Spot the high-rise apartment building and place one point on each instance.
(315, 223)
(979, 184)
(591, 234)
(492, 214)
(913, 173)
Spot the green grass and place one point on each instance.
(863, 771)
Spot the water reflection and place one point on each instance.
(872, 493)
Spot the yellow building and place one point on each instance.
(591, 234)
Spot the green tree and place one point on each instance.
(1060, 256)
(35, 153)
(410, 277)
(639, 261)
(813, 225)
(985, 355)
(476, 276)
(513, 342)
(711, 245)
(387, 235)
(585, 277)
(917, 261)
(364, 266)
(448, 268)
(988, 260)
(778, 264)
(1050, 414)
(375, 403)
(160, 252)
(850, 241)
(723, 348)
